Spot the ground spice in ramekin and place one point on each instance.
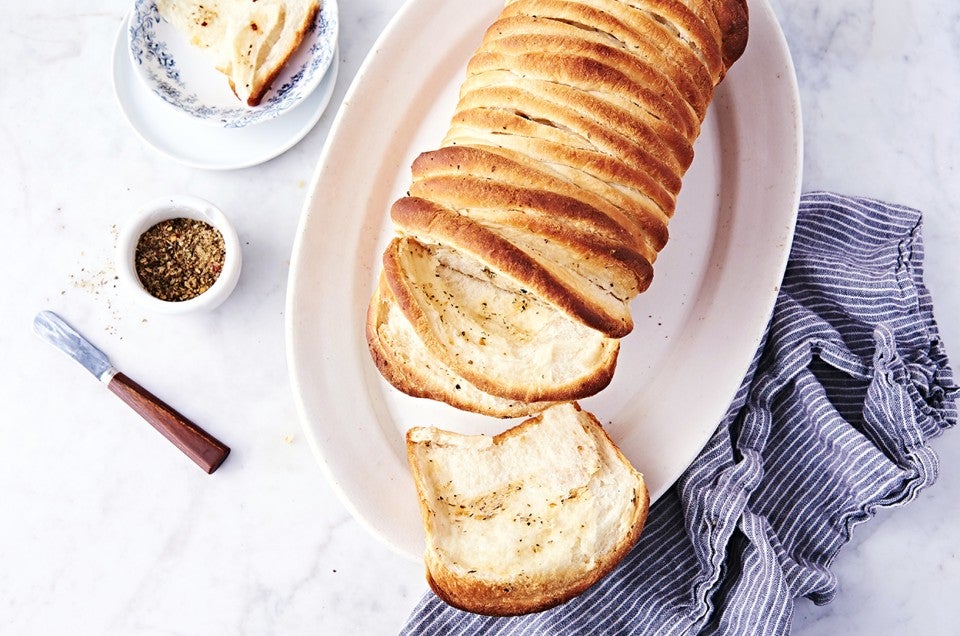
(179, 259)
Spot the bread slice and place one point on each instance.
(403, 360)
(492, 332)
(528, 519)
(250, 40)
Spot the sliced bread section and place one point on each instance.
(528, 519)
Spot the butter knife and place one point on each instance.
(204, 449)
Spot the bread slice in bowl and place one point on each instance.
(250, 40)
(528, 519)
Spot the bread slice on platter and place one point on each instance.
(249, 40)
(404, 360)
(526, 234)
(528, 519)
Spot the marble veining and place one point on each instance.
(106, 529)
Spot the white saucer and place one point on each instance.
(195, 143)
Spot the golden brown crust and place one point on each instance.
(637, 204)
(609, 129)
(524, 52)
(733, 17)
(639, 32)
(508, 179)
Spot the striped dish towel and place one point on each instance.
(832, 422)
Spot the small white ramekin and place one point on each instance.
(172, 207)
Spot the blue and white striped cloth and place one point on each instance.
(831, 423)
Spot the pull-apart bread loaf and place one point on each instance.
(528, 519)
(524, 237)
(249, 40)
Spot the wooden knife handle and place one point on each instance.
(207, 451)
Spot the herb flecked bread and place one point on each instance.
(249, 40)
(524, 237)
(528, 519)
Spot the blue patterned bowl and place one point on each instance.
(185, 78)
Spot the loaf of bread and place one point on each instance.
(524, 237)
(528, 519)
(249, 40)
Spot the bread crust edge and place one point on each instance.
(733, 16)
(256, 96)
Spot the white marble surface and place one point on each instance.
(106, 529)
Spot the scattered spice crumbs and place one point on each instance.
(179, 259)
(99, 280)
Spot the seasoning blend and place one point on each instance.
(178, 254)
(179, 259)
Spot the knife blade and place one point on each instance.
(54, 330)
(205, 450)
